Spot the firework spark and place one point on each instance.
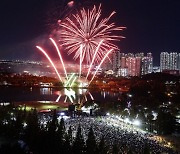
(47, 56)
(93, 58)
(60, 57)
(91, 96)
(73, 81)
(87, 29)
(80, 61)
(68, 81)
(57, 100)
(100, 64)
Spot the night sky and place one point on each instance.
(152, 26)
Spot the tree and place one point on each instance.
(79, 145)
(130, 151)
(70, 135)
(91, 146)
(61, 136)
(150, 122)
(102, 148)
(61, 128)
(67, 145)
(55, 143)
(11, 148)
(53, 124)
(166, 122)
(115, 149)
(18, 126)
(146, 149)
(32, 131)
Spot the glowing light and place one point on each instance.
(85, 98)
(104, 94)
(68, 94)
(71, 3)
(127, 120)
(62, 114)
(137, 122)
(108, 114)
(24, 124)
(65, 99)
(57, 100)
(50, 62)
(129, 95)
(91, 96)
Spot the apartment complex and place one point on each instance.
(130, 64)
(169, 61)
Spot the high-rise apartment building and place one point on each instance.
(131, 65)
(134, 66)
(123, 62)
(147, 64)
(115, 61)
(179, 61)
(169, 61)
(173, 61)
(164, 61)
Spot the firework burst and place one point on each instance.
(89, 37)
(82, 33)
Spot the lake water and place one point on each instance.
(17, 94)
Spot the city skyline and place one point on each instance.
(151, 27)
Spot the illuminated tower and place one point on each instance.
(173, 61)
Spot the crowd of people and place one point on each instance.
(123, 134)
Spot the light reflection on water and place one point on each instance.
(46, 91)
(74, 96)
